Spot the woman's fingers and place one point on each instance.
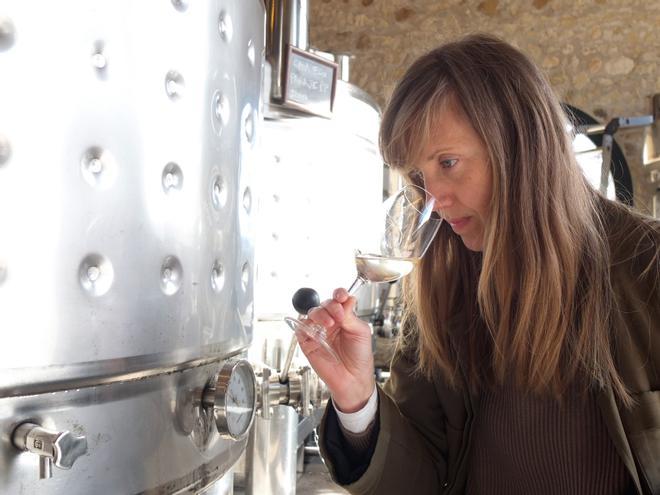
(334, 309)
(307, 344)
(321, 316)
(340, 295)
(315, 352)
(347, 301)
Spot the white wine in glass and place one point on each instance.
(379, 268)
(408, 227)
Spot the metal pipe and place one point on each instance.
(287, 25)
(284, 374)
(312, 450)
(45, 468)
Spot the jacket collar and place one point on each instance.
(612, 418)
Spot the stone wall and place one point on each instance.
(602, 56)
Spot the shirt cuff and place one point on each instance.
(359, 421)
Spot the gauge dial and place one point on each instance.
(234, 400)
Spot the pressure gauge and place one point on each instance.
(232, 395)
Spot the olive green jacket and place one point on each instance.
(425, 426)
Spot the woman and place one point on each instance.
(530, 360)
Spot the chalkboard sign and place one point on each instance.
(310, 82)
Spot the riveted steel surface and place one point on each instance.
(125, 206)
(128, 136)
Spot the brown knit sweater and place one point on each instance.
(525, 444)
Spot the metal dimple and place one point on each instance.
(175, 85)
(247, 200)
(98, 60)
(93, 273)
(225, 26)
(221, 110)
(171, 275)
(181, 5)
(7, 33)
(95, 166)
(5, 149)
(172, 178)
(217, 276)
(3, 271)
(219, 192)
(245, 275)
(251, 52)
(249, 126)
(96, 274)
(98, 167)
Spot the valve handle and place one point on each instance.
(52, 447)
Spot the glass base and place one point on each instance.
(314, 332)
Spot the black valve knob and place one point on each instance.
(305, 299)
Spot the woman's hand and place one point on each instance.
(351, 380)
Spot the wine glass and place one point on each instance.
(407, 229)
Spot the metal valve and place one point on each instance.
(52, 447)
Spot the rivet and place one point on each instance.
(95, 165)
(7, 33)
(225, 26)
(245, 275)
(180, 5)
(5, 149)
(96, 274)
(172, 178)
(217, 276)
(174, 85)
(99, 61)
(221, 111)
(98, 167)
(247, 199)
(171, 275)
(93, 273)
(218, 192)
(249, 125)
(251, 52)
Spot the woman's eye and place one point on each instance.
(448, 162)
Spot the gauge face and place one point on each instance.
(239, 398)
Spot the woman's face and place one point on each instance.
(455, 168)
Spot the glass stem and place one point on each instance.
(355, 286)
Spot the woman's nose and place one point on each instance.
(442, 193)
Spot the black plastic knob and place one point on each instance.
(305, 299)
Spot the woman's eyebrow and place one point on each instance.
(437, 151)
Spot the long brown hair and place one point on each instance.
(541, 287)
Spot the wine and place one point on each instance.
(377, 268)
(406, 230)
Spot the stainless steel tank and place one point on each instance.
(321, 183)
(127, 151)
